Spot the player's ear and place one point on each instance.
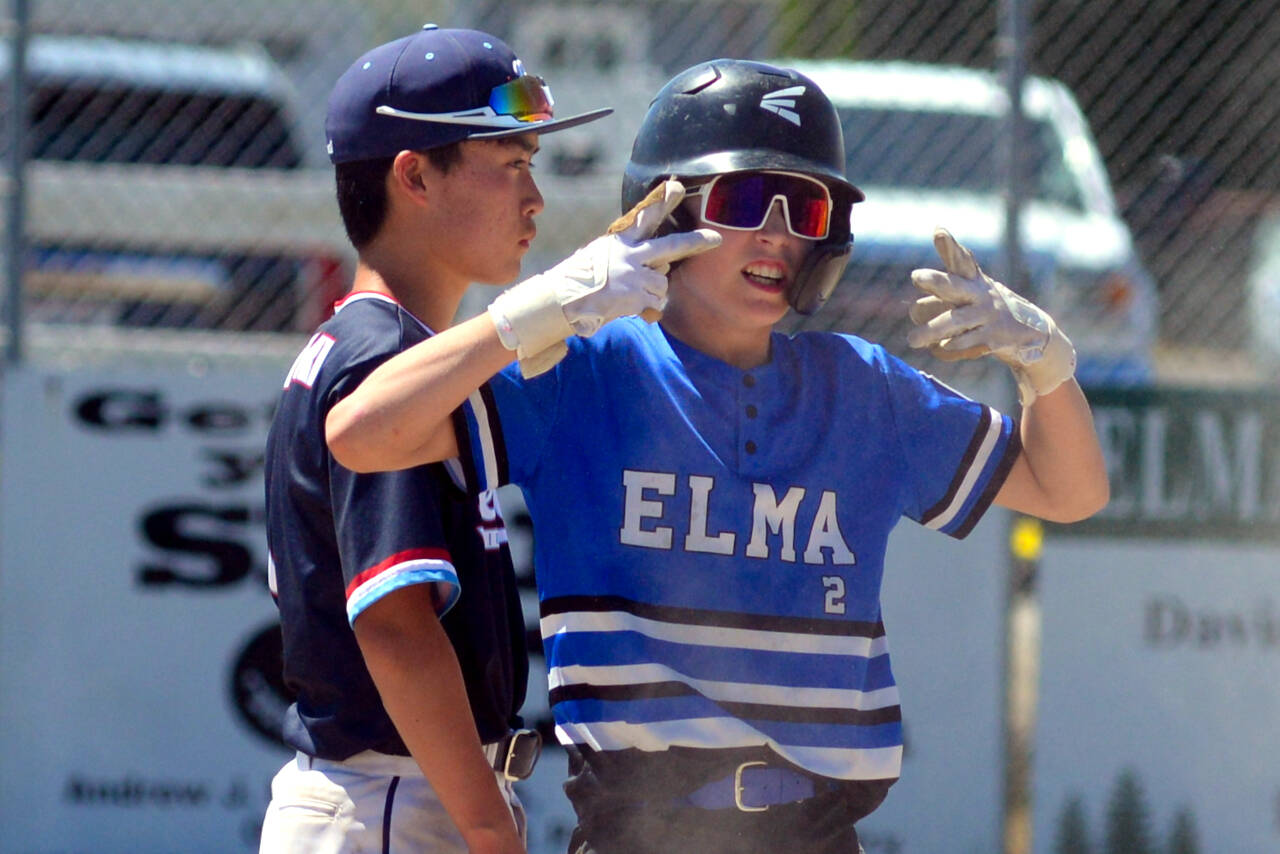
(409, 174)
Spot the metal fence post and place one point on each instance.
(16, 201)
(1021, 652)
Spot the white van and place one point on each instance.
(922, 142)
(168, 187)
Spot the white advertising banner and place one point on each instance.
(1161, 661)
(136, 634)
(1161, 628)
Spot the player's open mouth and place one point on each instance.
(765, 275)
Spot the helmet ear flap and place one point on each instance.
(818, 276)
(825, 263)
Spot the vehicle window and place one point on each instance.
(81, 121)
(930, 149)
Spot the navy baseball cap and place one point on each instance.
(434, 88)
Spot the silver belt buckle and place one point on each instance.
(523, 747)
(737, 788)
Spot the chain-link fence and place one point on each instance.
(177, 177)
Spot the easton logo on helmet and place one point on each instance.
(778, 102)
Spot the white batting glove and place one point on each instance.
(967, 314)
(619, 274)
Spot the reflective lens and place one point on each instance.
(742, 201)
(524, 99)
(527, 98)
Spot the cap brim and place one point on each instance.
(544, 127)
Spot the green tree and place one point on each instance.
(1128, 819)
(1183, 837)
(817, 28)
(1073, 829)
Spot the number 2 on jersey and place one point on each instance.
(834, 585)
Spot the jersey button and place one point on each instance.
(751, 410)
(751, 447)
(749, 381)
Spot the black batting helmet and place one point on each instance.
(733, 115)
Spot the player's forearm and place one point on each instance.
(400, 415)
(416, 671)
(1064, 477)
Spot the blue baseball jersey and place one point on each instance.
(710, 541)
(340, 541)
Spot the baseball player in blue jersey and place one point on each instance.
(712, 500)
(403, 634)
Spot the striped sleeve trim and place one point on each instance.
(488, 451)
(404, 569)
(986, 462)
(997, 479)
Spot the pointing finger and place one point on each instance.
(643, 219)
(673, 247)
(956, 258)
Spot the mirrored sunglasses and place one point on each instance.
(742, 200)
(525, 99)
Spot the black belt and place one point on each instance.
(515, 754)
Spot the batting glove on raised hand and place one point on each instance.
(619, 274)
(967, 314)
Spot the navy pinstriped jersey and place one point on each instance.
(339, 541)
(710, 541)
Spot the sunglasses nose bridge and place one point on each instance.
(777, 217)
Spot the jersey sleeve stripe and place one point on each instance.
(980, 433)
(489, 452)
(413, 566)
(396, 559)
(988, 435)
(1012, 449)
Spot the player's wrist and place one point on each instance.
(529, 317)
(1055, 365)
(502, 324)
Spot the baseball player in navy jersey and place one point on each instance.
(403, 634)
(712, 500)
